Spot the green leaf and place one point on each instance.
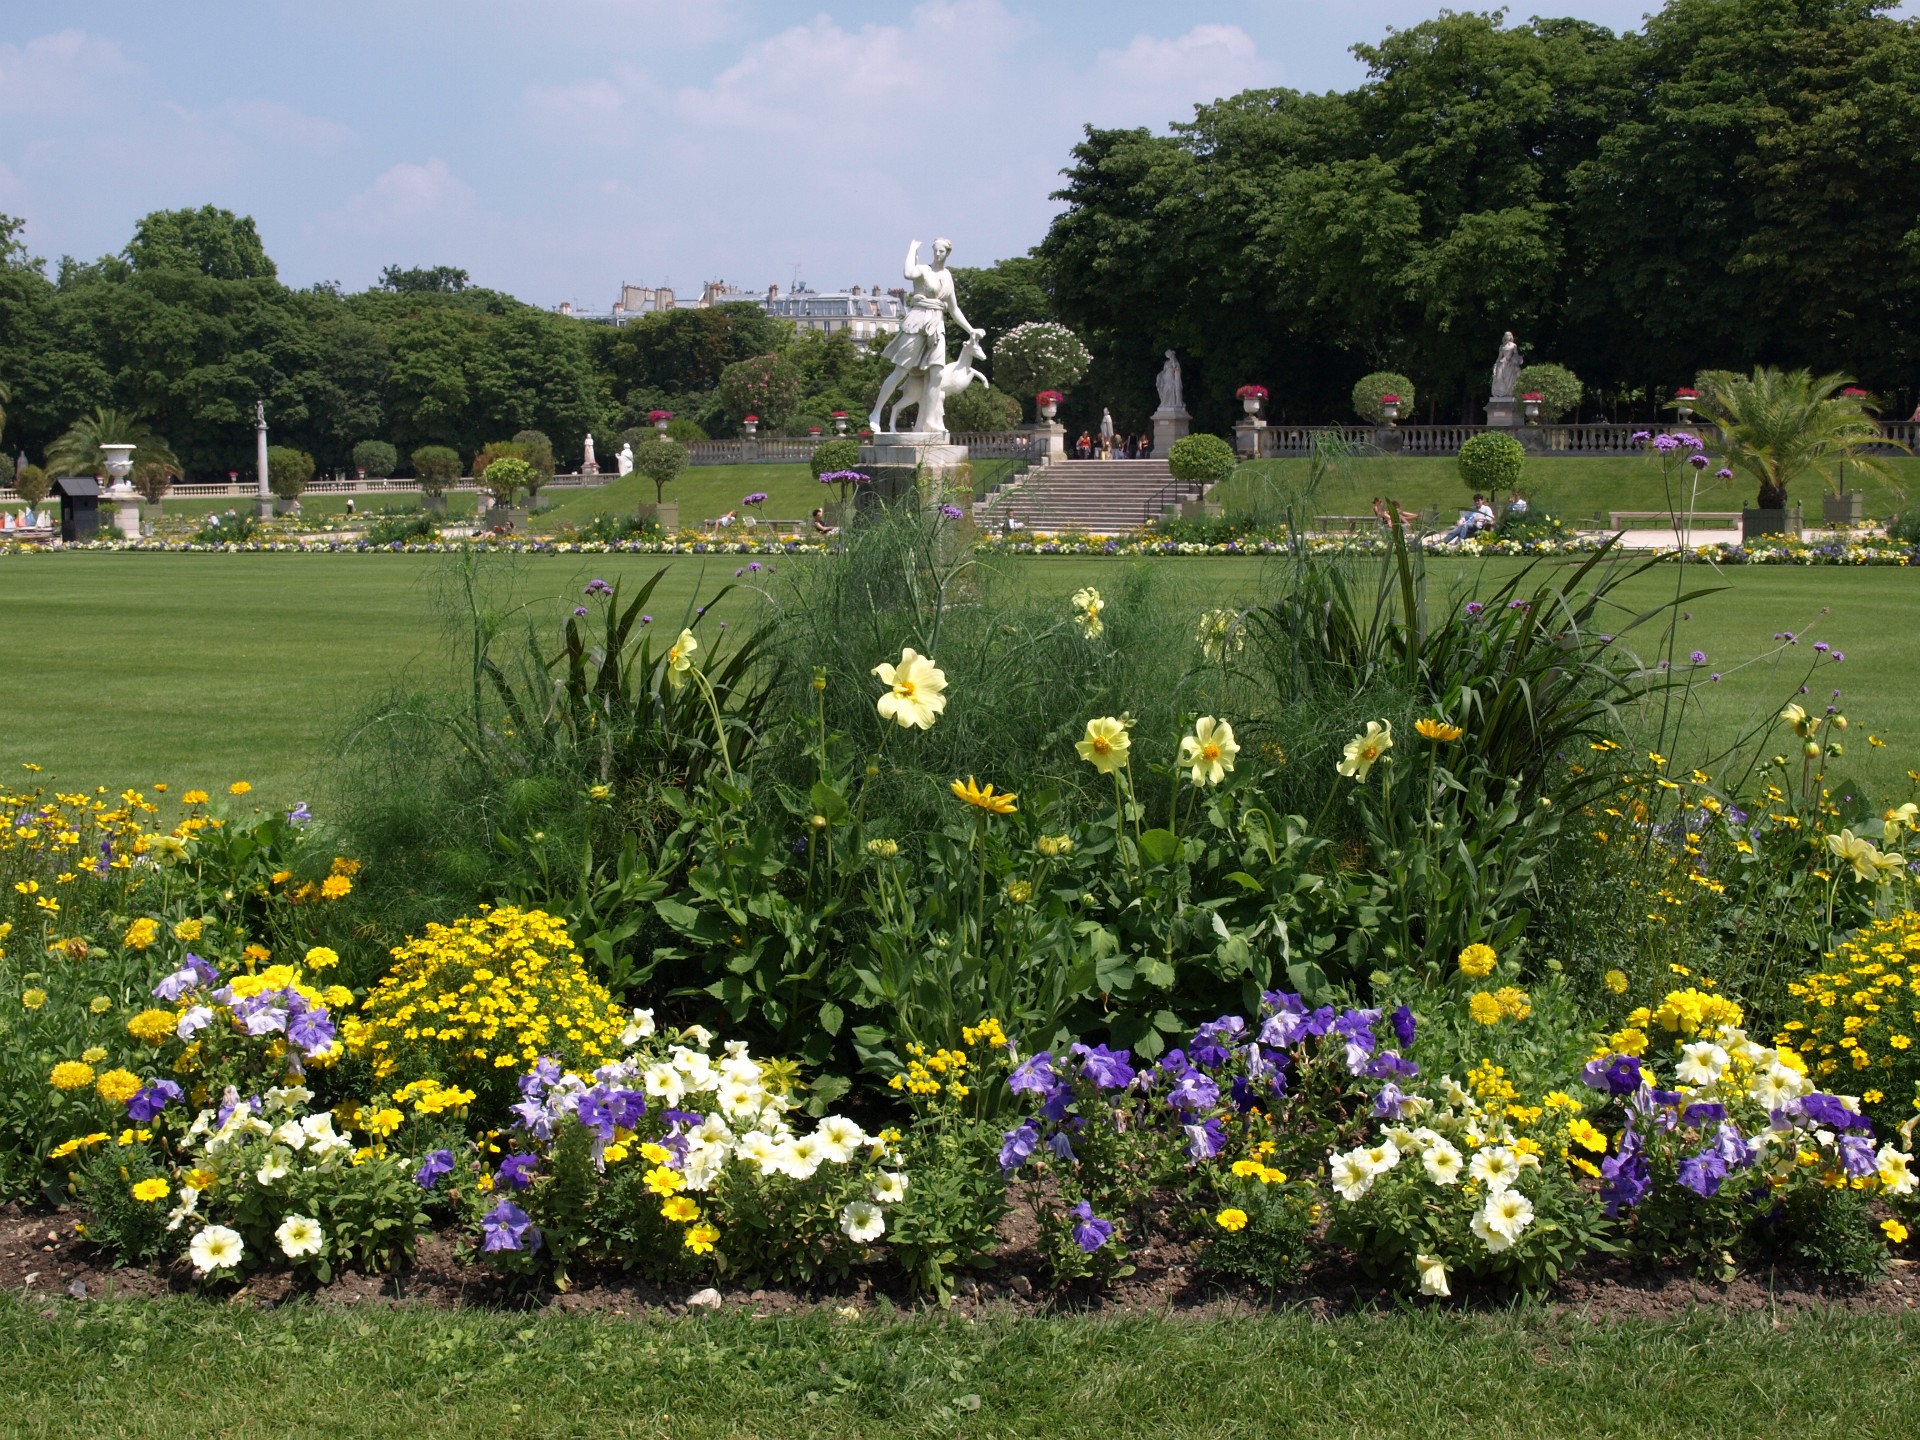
(831, 1017)
(1158, 846)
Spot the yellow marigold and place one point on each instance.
(141, 934)
(1617, 981)
(1477, 961)
(33, 999)
(195, 797)
(239, 787)
(1485, 1008)
(1231, 1219)
(71, 1075)
(1514, 1001)
(320, 957)
(1247, 1169)
(1438, 731)
(116, 1087)
(1584, 1134)
(148, 1191)
(1894, 1231)
(335, 887)
(382, 1122)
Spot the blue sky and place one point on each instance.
(557, 149)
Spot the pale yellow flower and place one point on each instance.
(1088, 602)
(680, 658)
(1106, 744)
(1209, 751)
(914, 698)
(1363, 750)
(1858, 852)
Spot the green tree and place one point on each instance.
(31, 484)
(765, 385)
(981, 407)
(1000, 296)
(660, 460)
(289, 471)
(435, 467)
(424, 280)
(209, 241)
(1039, 355)
(376, 457)
(1779, 425)
(1559, 388)
(507, 476)
(1369, 390)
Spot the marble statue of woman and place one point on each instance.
(624, 460)
(1169, 384)
(1506, 369)
(919, 351)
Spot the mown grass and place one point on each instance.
(130, 669)
(188, 1368)
(1575, 489)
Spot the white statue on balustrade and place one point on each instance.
(625, 458)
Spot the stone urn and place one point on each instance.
(751, 425)
(1050, 409)
(1389, 409)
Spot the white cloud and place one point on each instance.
(68, 69)
(407, 197)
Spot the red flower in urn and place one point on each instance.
(1251, 392)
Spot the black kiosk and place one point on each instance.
(79, 507)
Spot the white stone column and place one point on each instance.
(260, 458)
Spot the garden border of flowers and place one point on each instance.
(1873, 552)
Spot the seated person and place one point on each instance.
(1479, 518)
(1516, 504)
(1011, 525)
(820, 525)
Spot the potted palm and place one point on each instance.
(1779, 425)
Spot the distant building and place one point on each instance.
(867, 315)
(644, 300)
(718, 292)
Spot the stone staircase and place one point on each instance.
(1097, 496)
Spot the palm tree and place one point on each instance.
(77, 452)
(1777, 425)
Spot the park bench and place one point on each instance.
(1727, 519)
(776, 527)
(1351, 523)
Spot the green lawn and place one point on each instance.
(129, 669)
(1573, 489)
(188, 1368)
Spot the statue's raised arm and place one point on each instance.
(913, 267)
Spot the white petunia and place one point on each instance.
(291, 1134)
(1382, 1158)
(1500, 1221)
(1350, 1175)
(188, 1207)
(1775, 1086)
(1433, 1275)
(216, 1248)
(298, 1235)
(288, 1097)
(274, 1166)
(741, 1100)
(839, 1137)
(699, 1035)
(1701, 1063)
(890, 1188)
(863, 1221)
(639, 1027)
(1496, 1167)
(1443, 1162)
(756, 1147)
(1896, 1171)
(702, 1165)
(801, 1156)
(1457, 1095)
(663, 1083)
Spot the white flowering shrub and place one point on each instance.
(1038, 355)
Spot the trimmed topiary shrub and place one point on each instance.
(435, 467)
(289, 471)
(376, 457)
(1368, 389)
(660, 460)
(1205, 458)
(1491, 463)
(831, 455)
(1559, 388)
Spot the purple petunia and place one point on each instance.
(151, 1098)
(1403, 1025)
(1625, 1175)
(1017, 1146)
(516, 1172)
(437, 1164)
(1702, 1173)
(191, 976)
(1033, 1075)
(300, 815)
(508, 1227)
(1108, 1069)
(1090, 1232)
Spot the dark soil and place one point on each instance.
(42, 1254)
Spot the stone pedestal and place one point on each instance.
(1504, 413)
(1251, 439)
(1169, 426)
(930, 451)
(126, 511)
(1049, 442)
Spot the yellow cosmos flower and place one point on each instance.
(335, 887)
(1106, 744)
(699, 1238)
(914, 698)
(1231, 1219)
(680, 1210)
(1438, 731)
(1364, 750)
(680, 658)
(984, 798)
(188, 931)
(194, 797)
(239, 787)
(1208, 752)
